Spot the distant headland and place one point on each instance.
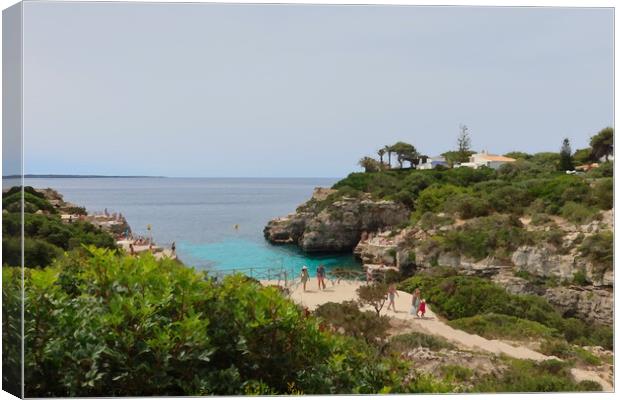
(77, 176)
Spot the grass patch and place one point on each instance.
(530, 376)
(499, 326)
(562, 349)
(413, 340)
(458, 373)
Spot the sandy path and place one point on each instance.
(346, 290)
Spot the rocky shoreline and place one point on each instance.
(321, 225)
(114, 223)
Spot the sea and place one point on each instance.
(216, 223)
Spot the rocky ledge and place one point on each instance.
(334, 225)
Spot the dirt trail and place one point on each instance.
(346, 290)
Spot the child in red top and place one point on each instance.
(422, 308)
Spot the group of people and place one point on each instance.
(320, 276)
(418, 304)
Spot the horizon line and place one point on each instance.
(67, 176)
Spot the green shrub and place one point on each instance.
(46, 237)
(373, 295)
(580, 278)
(577, 213)
(540, 219)
(138, 326)
(530, 376)
(561, 349)
(456, 373)
(468, 206)
(434, 198)
(499, 326)
(605, 170)
(402, 343)
(598, 248)
(509, 199)
(347, 318)
(602, 194)
(430, 220)
(11, 331)
(589, 386)
(554, 192)
(481, 237)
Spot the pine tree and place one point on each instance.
(566, 160)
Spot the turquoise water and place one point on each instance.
(199, 214)
(241, 253)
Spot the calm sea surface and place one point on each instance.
(200, 215)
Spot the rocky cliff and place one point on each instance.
(592, 302)
(333, 225)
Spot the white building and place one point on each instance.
(432, 162)
(485, 159)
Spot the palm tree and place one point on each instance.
(603, 143)
(381, 152)
(388, 149)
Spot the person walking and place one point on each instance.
(304, 276)
(173, 248)
(422, 308)
(415, 302)
(320, 276)
(392, 293)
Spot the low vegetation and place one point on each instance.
(500, 326)
(530, 376)
(46, 237)
(465, 297)
(408, 341)
(98, 323)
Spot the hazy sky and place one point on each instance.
(276, 90)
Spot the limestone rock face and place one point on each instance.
(543, 262)
(337, 226)
(590, 304)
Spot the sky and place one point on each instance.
(217, 90)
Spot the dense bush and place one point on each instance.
(434, 198)
(113, 325)
(46, 236)
(468, 206)
(469, 193)
(602, 195)
(499, 326)
(37, 252)
(530, 376)
(493, 235)
(599, 249)
(577, 213)
(33, 202)
(347, 318)
(561, 349)
(605, 170)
